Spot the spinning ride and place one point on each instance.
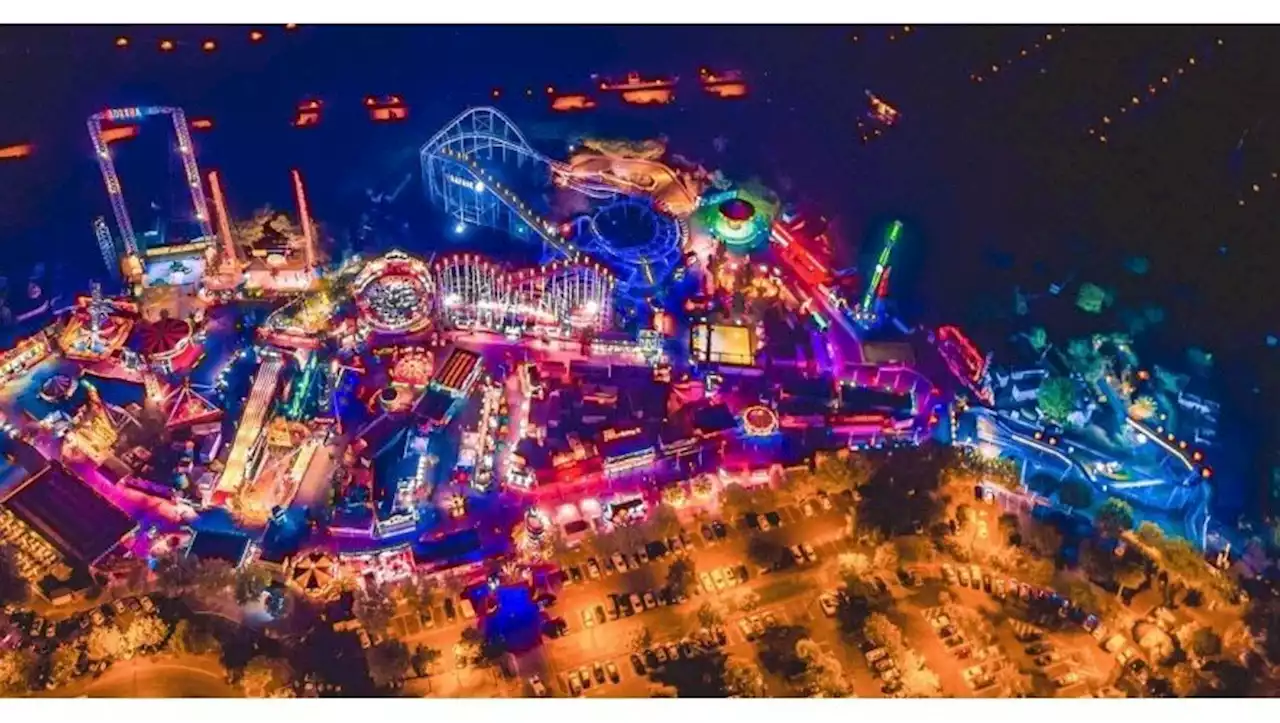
(394, 294)
(738, 219)
(641, 244)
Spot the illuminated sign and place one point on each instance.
(626, 433)
(460, 181)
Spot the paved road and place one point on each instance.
(170, 677)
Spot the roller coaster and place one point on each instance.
(459, 172)
(476, 293)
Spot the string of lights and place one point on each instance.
(208, 45)
(1167, 81)
(1267, 182)
(1038, 46)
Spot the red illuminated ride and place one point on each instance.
(964, 361)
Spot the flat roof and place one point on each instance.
(219, 545)
(80, 523)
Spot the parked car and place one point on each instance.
(721, 530)
(1068, 680)
(575, 686)
(824, 502)
(882, 664)
(997, 588)
(1048, 659)
(828, 603)
(468, 610)
(598, 671)
(809, 552)
(876, 654)
(643, 554)
(637, 664)
(612, 669)
(619, 561)
(707, 583)
(593, 568)
(1038, 648)
(649, 600)
(986, 581)
(949, 573)
(707, 533)
(148, 604)
(584, 673)
(588, 618)
(807, 509)
(538, 687)
(575, 575)
(717, 577)
(748, 631)
(773, 519)
(796, 554)
(637, 603)
(600, 616)
(964, 576)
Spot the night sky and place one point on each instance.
(999, 182)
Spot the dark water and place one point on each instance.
(997, 183)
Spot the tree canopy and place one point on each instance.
(1056, 398)
(1114, 517)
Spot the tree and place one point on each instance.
(1144, 407)
(1093, 298)
(664, 522)
(853, 564)
(422, 658)
(14, 589)
(765, 551)
(709, 616)
(641, 640)
(194, 638)
(913, 548)
(918, 681)
(682, 576)
(882, 631)
(1206, 643)
(62, 665)
(1056, 398)
(264, 677)
(744, 679)
(388, 662)
(1150, 533)
(251, 582)
(823, 674)
(1044, 538)
(1076, 494)
(375, 609)
(1114, 517)
(748, 600)
(736, 500)
(146, 631)
(105, 642)
(657, 690)
(16, 667)
(835, 475)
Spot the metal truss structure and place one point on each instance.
(107, 246)
(641, 242)
(185, 150)
(473, 292)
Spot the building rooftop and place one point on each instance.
(80, 523)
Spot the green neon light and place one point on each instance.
(882, 264)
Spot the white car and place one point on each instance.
(796, 554)
(636, 603)
(828, 603)
(619, 561)
(825, 502)
(707, 583)
(539, 689)
(650, 601)
(717, 577)
(575, 685)
(764, 523)
(808, 510)
(809, 552)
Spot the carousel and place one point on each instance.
(166, 344)
(315, 574)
